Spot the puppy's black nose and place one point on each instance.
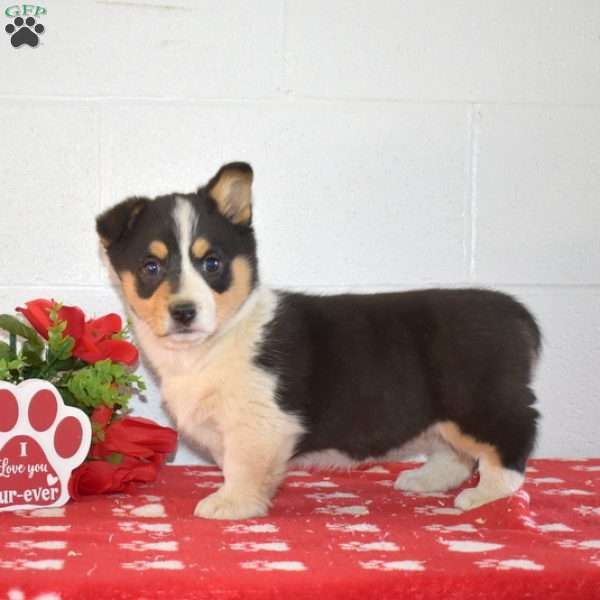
(183, 314)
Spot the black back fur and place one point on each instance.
(369, 372)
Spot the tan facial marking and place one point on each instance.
(241, 285)
(153, 311)
(467, 444)
(158, 249)
(200, 248)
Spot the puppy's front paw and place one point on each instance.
(226, 505)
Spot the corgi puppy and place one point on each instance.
(261, 378)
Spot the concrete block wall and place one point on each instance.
(396, 144)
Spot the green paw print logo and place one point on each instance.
(24, 29)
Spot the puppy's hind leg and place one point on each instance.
(444, 470)
(495, 482)
(501, 461)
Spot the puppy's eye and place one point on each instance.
(151, 267)
(212, 264)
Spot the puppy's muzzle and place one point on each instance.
(183, 313)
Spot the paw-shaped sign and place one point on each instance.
(41, 442)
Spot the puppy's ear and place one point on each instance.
(231, 188)
(113, 224)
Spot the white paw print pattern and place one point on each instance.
(354, 511)
(56, 512)
(587, 511)
(567, 492)
(460, 528)
(200, 473)
(152, 510)
(16, 594)
(312, 484)
(281, 565)
(40, 529)
(545, 480)
(138, 528)
(554, 528)
(509, 564)
(394, 565)
(143, 546)
(151, 537)
(260, 546)
(154, 565)
(22, 564)
(353, 528)
(380, 546)
(358, 523)
(586, 468)
(29, 545)
(470, 545)
(580, 544)
(258, 528)
(151, 497)
(323, 496)
(431, 510)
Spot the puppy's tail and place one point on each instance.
(533, 335)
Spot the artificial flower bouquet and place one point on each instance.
(89, 362)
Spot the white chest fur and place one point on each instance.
(216, 387)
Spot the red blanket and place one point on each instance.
(329, 535)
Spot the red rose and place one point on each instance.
(38, 314)
(93, 338)
(137, 437)
(141, 445)
(101, 477)
(97, 342)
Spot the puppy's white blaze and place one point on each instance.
(192, 287)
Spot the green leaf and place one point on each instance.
(32, 354)
(4, 350)
(16, 364)
(56, 308)
(68, 364)
(10, 369)
(115, 458)
(4, 370)
(60, 347)
(124, 334)
(104, 384)
(16, 327)
(32, 372)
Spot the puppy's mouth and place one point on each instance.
(186, 336)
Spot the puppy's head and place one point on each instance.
(186, 262)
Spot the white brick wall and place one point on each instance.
(396, 145)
